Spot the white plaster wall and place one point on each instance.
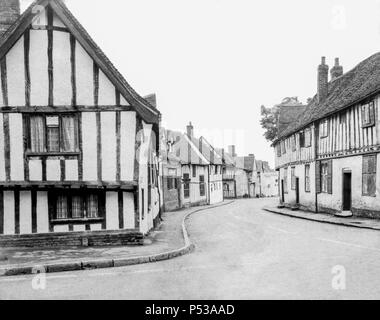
(16, 74)
(108, 140)
(129, 210)
(35, 170)
(25, 212)
(57, 22)
(96, 227)
(90, 162)
(71, 173)
(123, 101)
(127, 145)
(42, 212)
(62, 68)
(112, 211)
(84, 77)
(107, 95)
(62, 228)
(2, 149)
(16, 146)
(78, 228)
(38, 66)
(9, 213)
(53, 170)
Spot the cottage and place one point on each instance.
(76, 153)
(328, 157)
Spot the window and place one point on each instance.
(286, 180)
(75, 205)
(216, 169)
(278, 149)
(53, 134)
(170, 183)
(186, 185)
(368, 115)
(194, 167)
(324, 129)
(302, 139)
(307, 178)
(202, 186)
(325, 177)
(369, 176)
(294, 146)
(307, 138)
(293, 178)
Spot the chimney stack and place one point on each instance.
(9, 13)
(337, 70)
(190, 130)
(232, 151)
(323, 80)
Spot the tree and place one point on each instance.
(269, 122)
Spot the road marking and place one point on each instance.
(347, 244)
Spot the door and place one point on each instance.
(347, 191)
(282, 192)
(297, 191)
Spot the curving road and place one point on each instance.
(242, 252)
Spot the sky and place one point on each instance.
(215, 62)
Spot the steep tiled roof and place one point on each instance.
(354, 86)
(142, 106)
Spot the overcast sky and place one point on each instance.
(215, 62)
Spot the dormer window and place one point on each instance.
(368, 115)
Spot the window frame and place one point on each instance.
(286, 180)
(324, 129)
(366, 175)
(307, 178)
(84, 198)
(368, 109)
(186, 185)
(202, 188)
(293, 178)
(44, 116)
(324, 177)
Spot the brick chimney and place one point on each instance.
(232, 150)
(323, 80)
(337, 70)
(190, 130)
(9, 13)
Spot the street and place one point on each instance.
(242, 252)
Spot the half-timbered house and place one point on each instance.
(76, 153)
(328, 157)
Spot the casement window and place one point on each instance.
(283, 147)
(52, 133)
(324, 176)
(302, 139)
(172, 183)
(368, 115)
(307, 138)
(293, 141)
(202, 186)
(369, 176)
(307, 178)
(293, 178)
(76, 205)
(278, 149)
(324, 129)
(286, 180)
(216, 169)
(194, 169)
(186, 185)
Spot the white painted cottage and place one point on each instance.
(77, 152)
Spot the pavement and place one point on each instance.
(241, 252)
(365, 223)
(168, 241)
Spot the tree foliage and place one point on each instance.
(269, 122)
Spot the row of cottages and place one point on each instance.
(75, 139)
(328, 156)
(192, 171)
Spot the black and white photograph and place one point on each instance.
(189, 150)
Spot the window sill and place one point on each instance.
(368, 125)
(77, 220)
(51, 154)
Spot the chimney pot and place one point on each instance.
(9, 13)
(190, 130)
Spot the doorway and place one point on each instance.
(297, 191)
(282, 192)
(347, 191)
